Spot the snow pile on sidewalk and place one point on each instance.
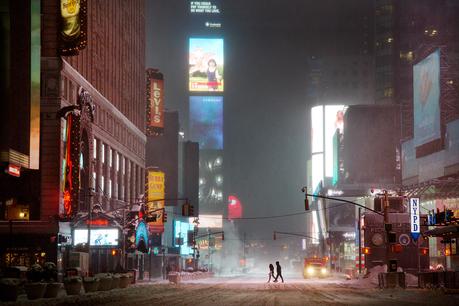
(370, 280)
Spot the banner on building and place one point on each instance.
(414, 218)
(426, 99)
(155, 102)
(155, 191)
(73, 26)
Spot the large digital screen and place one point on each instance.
(99, 237)
(206, 122)
(206, 64)
(426, 98)
(334, 119)
(181, 231)
(210, 221)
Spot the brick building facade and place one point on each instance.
(111, 69)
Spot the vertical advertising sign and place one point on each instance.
(206, 122)
(206, 64)
(155, 102)
(73, 34)
(35, 58)
(426, 99)
(155, 191)
(414, 218)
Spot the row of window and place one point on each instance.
(117, 165)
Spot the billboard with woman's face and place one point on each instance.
(206, 64)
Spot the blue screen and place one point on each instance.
(206, 122)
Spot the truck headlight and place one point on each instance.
(323, 271)
(310, 270)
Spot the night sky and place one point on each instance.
(266, 120)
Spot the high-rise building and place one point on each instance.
(88, 73)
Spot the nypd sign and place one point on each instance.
(414, 218)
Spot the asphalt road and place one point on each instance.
(245, 290)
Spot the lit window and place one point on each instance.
(117, 161)
(94, 177)
(95, 148)
(103, 153)
(123, 166)
(102, 183)
(109, 188)
(110, 152)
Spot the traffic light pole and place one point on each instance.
(385, 215)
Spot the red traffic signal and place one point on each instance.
(396, 248)
(424, 251)
(164, 216)
(190, 210)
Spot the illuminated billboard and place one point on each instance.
(234, 207)
(426, 98)
(204, 7)
(206, 64)
(73, 36)
(99, 237)
(181, 234)
(326, 121)
(206, 122)
(210, 221)
(155, 191)
(155, 102)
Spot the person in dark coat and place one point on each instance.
(271, 272)
(279, 272)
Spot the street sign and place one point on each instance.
(414, 218)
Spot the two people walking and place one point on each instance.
(278, 270)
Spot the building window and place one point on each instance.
(110, 152)
(102, 185)
(117, 161)
(109, 193)
(124, 166)
(94, 179)
(95, 148)
(103, 153)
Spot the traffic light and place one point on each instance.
(424, 251)
(396, 248)
(366, 250)
(191, 210)
(306, 203)
(164, 216)
(223, 236)
(274, 235)
(392, 237)
(151, 218)
(185, 210)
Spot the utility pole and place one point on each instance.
(243, 250)
(387, 226)
(360, 241)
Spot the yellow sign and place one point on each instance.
(70, 12)
(155, 191)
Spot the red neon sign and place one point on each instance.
(14, 170)
(99, 222)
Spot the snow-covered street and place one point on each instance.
(253, 290)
